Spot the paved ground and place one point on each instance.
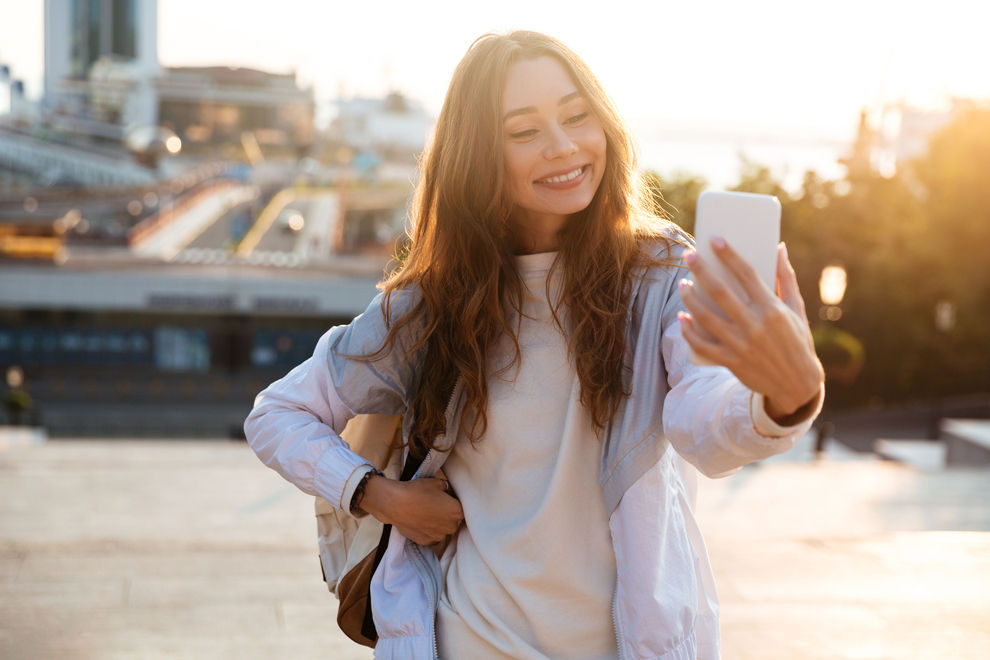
(192, 549)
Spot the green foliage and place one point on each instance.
(676, 198)
(757, 178)
(17, 400)
(841, 353)
(906, 242)
(952, 183)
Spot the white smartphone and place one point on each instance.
(750, 224)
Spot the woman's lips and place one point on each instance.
(566, 179)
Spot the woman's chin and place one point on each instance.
(569, 207)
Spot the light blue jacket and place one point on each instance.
(665, 603)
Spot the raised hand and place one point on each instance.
(765, 341)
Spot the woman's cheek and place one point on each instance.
(516, 168)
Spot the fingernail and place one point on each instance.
(690, 256)
(684, 284)
(783, 247)
(718, 243)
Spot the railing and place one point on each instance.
(38, 157)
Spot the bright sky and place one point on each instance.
(790, 65)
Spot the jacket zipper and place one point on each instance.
(446, 413)
(615, 622)
(426, 574)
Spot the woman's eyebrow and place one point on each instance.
(532, 108)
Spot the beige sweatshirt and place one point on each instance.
(531, 573)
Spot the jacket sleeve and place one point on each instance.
(714, 421)
(295, 424)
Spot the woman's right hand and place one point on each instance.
(422, 509)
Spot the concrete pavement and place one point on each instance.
(192, 549)
(172, 549)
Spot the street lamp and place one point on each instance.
(945, 316)
(15, 377)
(15, 400)
(945, 323)
(831, 289)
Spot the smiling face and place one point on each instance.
(554, 150)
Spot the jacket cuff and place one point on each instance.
(351, 486)
(767, 427)
(337, 474)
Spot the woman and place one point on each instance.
(537, 338)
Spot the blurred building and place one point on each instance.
(101, 59)
(15, 110)
(103, 79)
(914, 127)
(14, 106)
(394, 127)
(895, 134)
(159, 350)
(211, 106)
(124, 294)
(130, 314)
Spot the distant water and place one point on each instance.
(719, 162)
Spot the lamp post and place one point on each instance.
(945, 323)
(16, 400)
(831, 290)
(945, 316)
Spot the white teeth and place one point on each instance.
(563, 177)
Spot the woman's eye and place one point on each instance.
(578, 118)
(523, 134)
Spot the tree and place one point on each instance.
(952, 181)
(676, 197)
(907, 242)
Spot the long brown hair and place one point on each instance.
(460, 254)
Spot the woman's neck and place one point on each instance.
(533, 233)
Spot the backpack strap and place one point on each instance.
(414, 459)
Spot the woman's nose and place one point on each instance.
(559, 144)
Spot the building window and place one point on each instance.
(181, 349)
(282, 348)
(124, 19)
(94, 17)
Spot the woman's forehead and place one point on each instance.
(535, 83)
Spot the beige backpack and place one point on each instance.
(347, 544)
